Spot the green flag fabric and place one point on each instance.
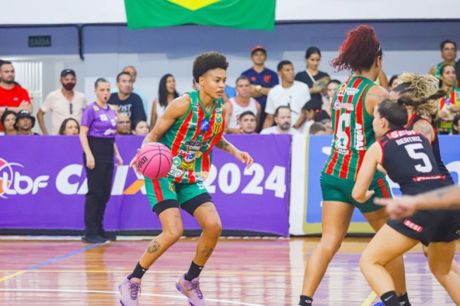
(242, 14)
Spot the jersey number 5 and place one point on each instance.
(425, 165)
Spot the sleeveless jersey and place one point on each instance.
(237, 110)
(451, 98)
(434, 146)
(192, 138)
(352, 126)
(409, 161)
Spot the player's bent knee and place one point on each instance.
(174, 232)
(213, 227)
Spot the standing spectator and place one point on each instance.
(247, 123)
(133, 73)
(312, 76)
(69, 127)
(448, 54)
(123, 124)
(241, 103)
(262, 79)
(456, 125)
(7, 120)
(127, 101)
(283, 123)
(141, 128)
(97, 137)
(331, 88)
(306, 120)
(166, 93)
(24, 124)
(291, 93)
(12, 96)
(62, 103)
(449, 105)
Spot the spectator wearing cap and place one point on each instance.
(262, 79)
(24, 124)
(8, 120)
(247, 123)
(283, 122)
(62, 103)
(12, 96)
(289, 92)
(312, 76)
(126, 100)
(239, 104)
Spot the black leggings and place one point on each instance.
(99, 184)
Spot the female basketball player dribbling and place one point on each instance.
(407, 157)
(353, 106)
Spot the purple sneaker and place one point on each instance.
(191, 289)
(129, 292)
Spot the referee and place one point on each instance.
(97, 137)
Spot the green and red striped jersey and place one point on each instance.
(192, 138)
(352, 126)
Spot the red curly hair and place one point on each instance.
(359, 50)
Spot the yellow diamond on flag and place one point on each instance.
(193, 5)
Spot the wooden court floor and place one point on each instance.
(246, 272)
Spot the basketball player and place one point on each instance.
(352, 110)
(407, 158)
(190, 126)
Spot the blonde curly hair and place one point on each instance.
(420, 92)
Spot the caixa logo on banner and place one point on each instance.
(14, 182)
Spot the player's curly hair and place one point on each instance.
(359, 50)
(208, 61)
(420, 92)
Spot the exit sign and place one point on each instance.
(40, 41)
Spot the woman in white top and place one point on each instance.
(166, 93)
(239, 104)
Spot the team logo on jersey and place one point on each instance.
(96, 108)
(408, 223)
(267, 78)
(351, 91)
(204, 127)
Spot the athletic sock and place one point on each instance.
(193, 272)
(390, 298)
(404, 300)
(138, 272)
(305, 300)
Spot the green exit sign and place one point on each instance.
(40, 41)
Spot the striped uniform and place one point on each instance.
(451, 98)
(191, 140)
(353, 135)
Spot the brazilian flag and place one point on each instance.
(242, 14)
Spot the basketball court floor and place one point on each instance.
(245, 272)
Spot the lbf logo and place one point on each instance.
(12, 182)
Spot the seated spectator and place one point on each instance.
(448, 55)
(62, 103)
(312, 76)
(140, 128)
(166, 93)
(7, 120)
(247, 123)
(69, 127)
(127, 101)
(309, 110)
(12, 96)
(290, 92)
(24, 123)
(283, 122)
(327, 123)
(317, 128)
(241, 103)
(123, 124)
(331, 88)
(394, 81)
(449, 105)
(133, 73)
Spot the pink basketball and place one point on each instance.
(154, 160)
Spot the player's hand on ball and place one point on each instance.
(90, 162)
(245, 158)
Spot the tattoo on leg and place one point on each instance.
(207, 251)
(153, 246)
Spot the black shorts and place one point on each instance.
(189, 206)
(430, 226)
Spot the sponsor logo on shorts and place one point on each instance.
(408, 223)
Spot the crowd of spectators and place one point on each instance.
(262, 100)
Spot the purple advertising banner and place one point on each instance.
(43, 186)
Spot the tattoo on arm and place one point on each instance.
(153, 247)
(223, 144)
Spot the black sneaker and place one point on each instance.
(108, 235)
(93, 239)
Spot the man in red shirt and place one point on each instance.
(12, 95)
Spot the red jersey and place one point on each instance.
(13, 97)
